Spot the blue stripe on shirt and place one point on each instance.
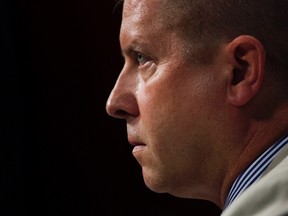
(254, 171)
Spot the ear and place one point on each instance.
(247, 57)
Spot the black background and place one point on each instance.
(61, 154)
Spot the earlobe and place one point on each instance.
(247, 56)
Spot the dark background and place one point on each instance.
(61, 154)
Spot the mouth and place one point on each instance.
(137, 146)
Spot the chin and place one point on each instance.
(155, 184)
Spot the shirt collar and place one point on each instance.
(254, 170)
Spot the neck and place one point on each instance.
(261, 136)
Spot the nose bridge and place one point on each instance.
(122, 99)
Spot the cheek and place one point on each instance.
(175, 133)
(170, 113)
(176, 109)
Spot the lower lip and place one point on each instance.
(138, 148)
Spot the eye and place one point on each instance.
(141, 59)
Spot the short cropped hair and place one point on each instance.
(210, 21)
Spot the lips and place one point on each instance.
(134, 143)
(138, 146)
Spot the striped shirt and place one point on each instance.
(254, 171)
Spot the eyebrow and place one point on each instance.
(128, 51)
(134, 46)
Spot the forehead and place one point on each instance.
(139, 8)
(143, 29)
(142, 17)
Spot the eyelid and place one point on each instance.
(132, 54)
(146, 59)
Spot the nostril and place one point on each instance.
(121, 113)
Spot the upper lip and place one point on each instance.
(134, 142)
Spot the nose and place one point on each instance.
(122, 102)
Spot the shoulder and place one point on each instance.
(269, 195)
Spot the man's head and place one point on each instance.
(194, 80)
